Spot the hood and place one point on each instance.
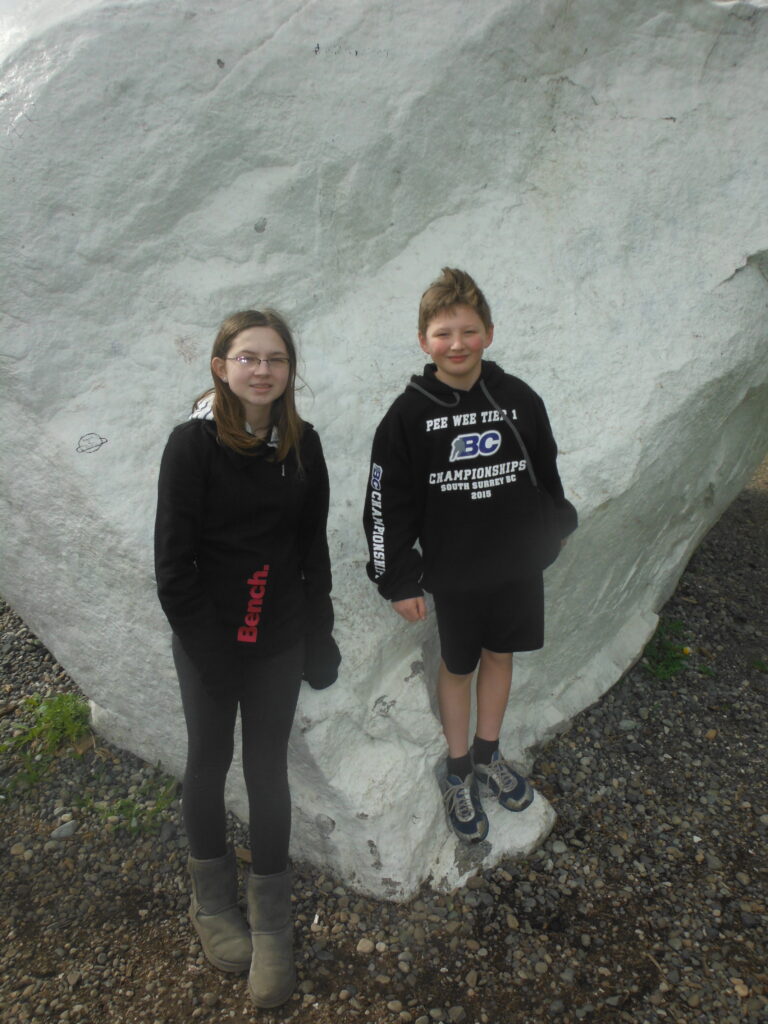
(435, 390)
(203, 410)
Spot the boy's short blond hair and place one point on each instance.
(453, 288)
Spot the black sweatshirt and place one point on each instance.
(241, 556)
(448, 472)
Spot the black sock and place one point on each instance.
(482, 750)
(460, 766)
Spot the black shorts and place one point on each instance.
(508, 619)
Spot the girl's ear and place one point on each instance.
(219, 367)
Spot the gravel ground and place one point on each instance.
(647, 902)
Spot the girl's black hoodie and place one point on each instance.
(448, 472)
(241, 556)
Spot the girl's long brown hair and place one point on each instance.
(227, 409)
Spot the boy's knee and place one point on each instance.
(502, 659)
(455, 678)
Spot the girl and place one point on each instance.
(244, 577)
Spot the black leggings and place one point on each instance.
(267, 707)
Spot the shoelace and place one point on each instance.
(459, 799)
(504, 777)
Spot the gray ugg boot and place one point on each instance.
(215, 914)
(272, 977)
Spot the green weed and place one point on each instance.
(144, 809)
(57, 721)
(665, 655)
(49, 726)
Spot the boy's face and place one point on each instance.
(455, 341)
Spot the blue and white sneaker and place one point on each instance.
(463, 808)
(500, 780)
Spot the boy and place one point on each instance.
(448, 470)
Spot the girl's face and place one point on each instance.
(257, 368)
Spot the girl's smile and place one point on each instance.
(256, 368)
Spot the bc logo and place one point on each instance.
(376, 474)
(469, 446)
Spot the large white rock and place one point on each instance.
(599, 167)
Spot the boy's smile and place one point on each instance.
(455, 341)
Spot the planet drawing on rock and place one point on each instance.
(90, 443)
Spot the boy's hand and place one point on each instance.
(412, 609)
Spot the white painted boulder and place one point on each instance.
(600, 169)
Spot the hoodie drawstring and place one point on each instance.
(514, 430)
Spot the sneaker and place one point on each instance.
(499, 779)
(462, 805)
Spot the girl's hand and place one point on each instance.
(412, 609)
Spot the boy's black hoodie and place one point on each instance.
(448, 472)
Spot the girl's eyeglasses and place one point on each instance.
(252, 362)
